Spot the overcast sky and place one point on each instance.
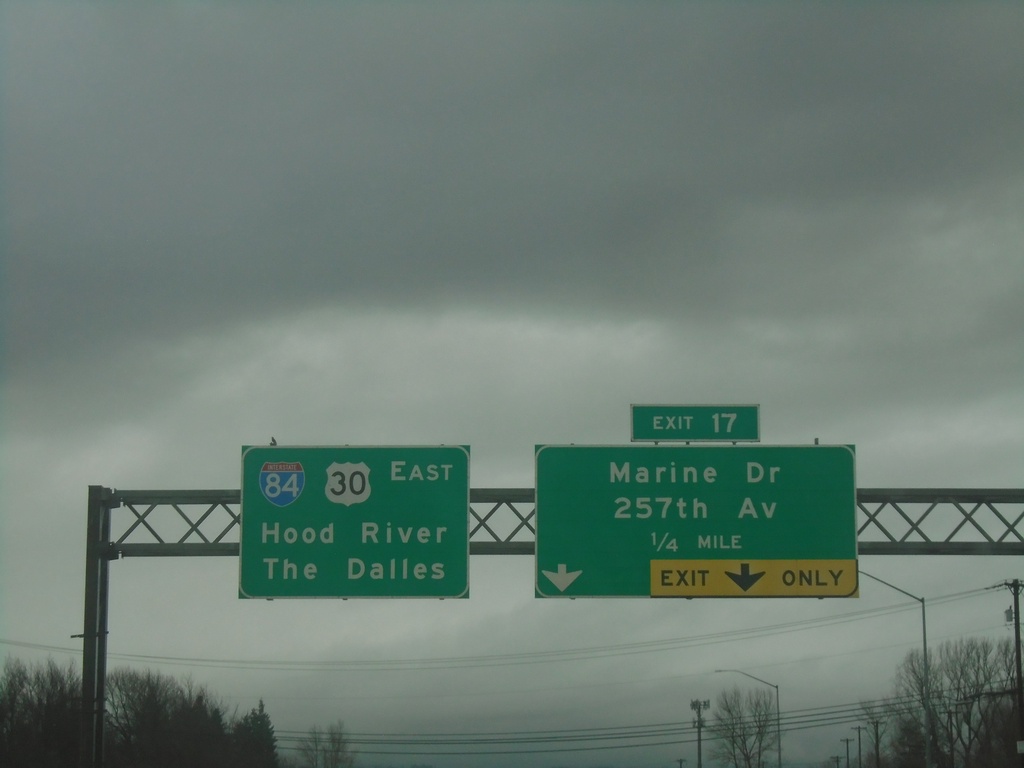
(499, 224)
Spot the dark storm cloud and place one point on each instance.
(171, 168)
(499, 224)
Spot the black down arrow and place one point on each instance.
(745, 579)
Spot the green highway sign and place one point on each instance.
(729, 423)
(377, 521)
(642, 521)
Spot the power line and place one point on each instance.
(500, 660)
(587, 739)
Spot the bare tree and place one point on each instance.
(311, 748)
(156, 721)
(743, 728)
(326, 748)
(38, 714)
(15, 718)
(152, 720)
(138, 711)
(970, 709)
(976, 672)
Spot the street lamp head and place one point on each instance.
(752, 677)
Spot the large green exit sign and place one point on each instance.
(349, 521)
(696, 521)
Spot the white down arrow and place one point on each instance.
(562, 578)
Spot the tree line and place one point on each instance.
(965, 717)
(152, 721)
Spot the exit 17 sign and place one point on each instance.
(689, 521)
(351, 521)
(714, 423)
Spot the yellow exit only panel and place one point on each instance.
(754, 578)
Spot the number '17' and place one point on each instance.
(729, 418)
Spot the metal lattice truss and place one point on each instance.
(502, 521)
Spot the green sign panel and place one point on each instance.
(735, 423)
(380, 521)
(620, 521)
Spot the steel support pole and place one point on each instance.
(94, 631)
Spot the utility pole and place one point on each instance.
(858, 729)
(1015, 587)
(847, 742)
(949, 733)
(878, 748)
(836, 758)
(698, 706)
(681, 760)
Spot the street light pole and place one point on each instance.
(778, 709)
(927, 691)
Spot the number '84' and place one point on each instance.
(273, 487)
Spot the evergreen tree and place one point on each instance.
(255, 745)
